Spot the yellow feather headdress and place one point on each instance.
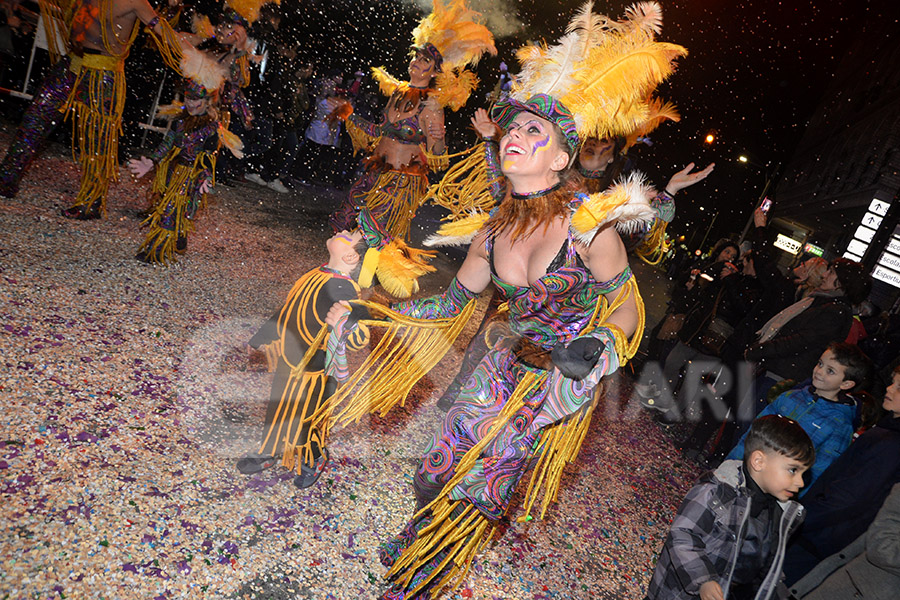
(454, 31)
(249, 9)
(603, 71)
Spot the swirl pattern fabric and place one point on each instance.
(444, 306)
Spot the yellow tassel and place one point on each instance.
(408, 349)
(95, 132)
(654, 246)
(360, 139)
(395, 197)
(170, 46)
(465, 187)
(462, 537)
(56, 16)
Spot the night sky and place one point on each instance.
(754, 75)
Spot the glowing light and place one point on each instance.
(710, 138)
(742, 158)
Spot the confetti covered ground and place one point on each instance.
(129, 392)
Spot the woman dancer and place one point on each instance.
(409, 141)
(573, 311)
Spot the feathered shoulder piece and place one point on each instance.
(387, 83)
(459, 232)
(626, 204)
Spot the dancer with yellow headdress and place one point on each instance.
(87, 84)
(573, 313)
(409, 141)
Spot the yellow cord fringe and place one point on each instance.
(160, 244)
(464, 535)
(408, 349)
(303, 387)
(654, 246)
(559, 446)
(465, 186)
(96, 132)
(400, 195)
(57, 18)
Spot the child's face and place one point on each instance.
(828, 376)
(779, 475)
(342, 243)
(891, 401)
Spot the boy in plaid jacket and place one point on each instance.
(728, 538)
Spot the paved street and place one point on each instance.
(130, 391)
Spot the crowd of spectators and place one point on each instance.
(745, 338)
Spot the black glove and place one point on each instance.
(358, 312)
(576, 360)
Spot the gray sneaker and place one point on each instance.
(254, 178)
(279, 187)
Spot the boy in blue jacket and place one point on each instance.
(823, 408)
(729, 536)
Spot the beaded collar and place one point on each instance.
(537, 194)
(590, 174)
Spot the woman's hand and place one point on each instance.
(759, 217)
(140, 166)
(337, 312)
(483, 125)
(684, 178)
(436, 130)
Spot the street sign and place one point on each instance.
(887, 276)
(879, 207)
(783, 242)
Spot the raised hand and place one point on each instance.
(684, 178)
(336, 312)
(483, 124)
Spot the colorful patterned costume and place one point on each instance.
(391, 195)
(512, 409)
(451, 37)
(91, 88)
(299, 388)
(185, 159)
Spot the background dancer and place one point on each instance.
(88, 84)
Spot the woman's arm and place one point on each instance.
(432, 123)
(606, 258)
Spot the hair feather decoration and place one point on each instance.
(249, 9)
(197, 65)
